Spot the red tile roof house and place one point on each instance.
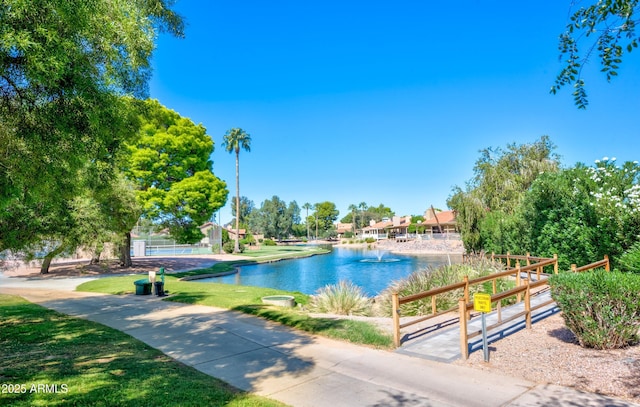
(376, 230)
(387, 229)
(342, 228)
(399, 228)
(440, 222)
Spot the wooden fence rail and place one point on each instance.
(524, 285)
(465, 284)
(464, 307)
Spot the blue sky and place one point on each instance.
(383, 102)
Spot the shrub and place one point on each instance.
(228, 247)
(600, 308)
(344, 298)
(430, 278)
(269, 242)
(370, 240)
(630, 260)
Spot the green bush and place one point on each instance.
(269, 242)
(344, 298)
(602, 309)
(229, 246)
(370, 240)
(630, 260)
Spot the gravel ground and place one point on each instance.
(550, 353)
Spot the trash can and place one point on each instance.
(143, 287)
(159, 288)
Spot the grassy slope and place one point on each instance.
(99, 365)
(248, 299)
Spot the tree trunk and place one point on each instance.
(125, 251)
(236, 248)
(95, 256)
(46, 263)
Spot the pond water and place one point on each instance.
(372, 270)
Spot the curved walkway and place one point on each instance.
(286, 365)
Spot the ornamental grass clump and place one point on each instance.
(344, 298)
(430, 278)
(602, 309)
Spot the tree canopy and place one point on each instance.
(275, 218)
(605, 27)
(501, 178)
(170, 167)
(63, 71)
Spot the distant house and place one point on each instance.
(232, 233)
(376, 230)
(440, 222)
(399, 228)
(342, 228)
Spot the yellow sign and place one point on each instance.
(482, 302)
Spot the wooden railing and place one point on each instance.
(397, 301)
(464, 307)
(524, 285)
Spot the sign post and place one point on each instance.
(482, 304)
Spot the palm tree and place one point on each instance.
(234, 139)
(307, 206)
(353, 208)
(363, 207)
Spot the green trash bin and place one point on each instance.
(143, 287)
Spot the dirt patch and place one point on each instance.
(82, 268)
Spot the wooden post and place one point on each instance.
(538, 272)
(528, 261)
(518, 280)
(527, 305)
(606, 266)
(464, 347)
(573, 268)
(508, 261)
(555, 265)
(433, 305)
(395, 310)
(494, 284)
(466, 296)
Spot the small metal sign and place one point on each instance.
(482, 302)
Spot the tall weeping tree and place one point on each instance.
(234, 140)
(501, 178)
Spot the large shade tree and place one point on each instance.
(63, 71)
(236, 139)
(169, 164)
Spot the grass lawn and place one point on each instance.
(50, 359)
(248, 299)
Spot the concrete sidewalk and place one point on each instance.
(295, 368)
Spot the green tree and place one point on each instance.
(62, 74)
(607, 27)
(380, 212)
(169, 165)
(500, 180)
(234, 140)
(326, 214)
(275, 218)
(246, 207)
